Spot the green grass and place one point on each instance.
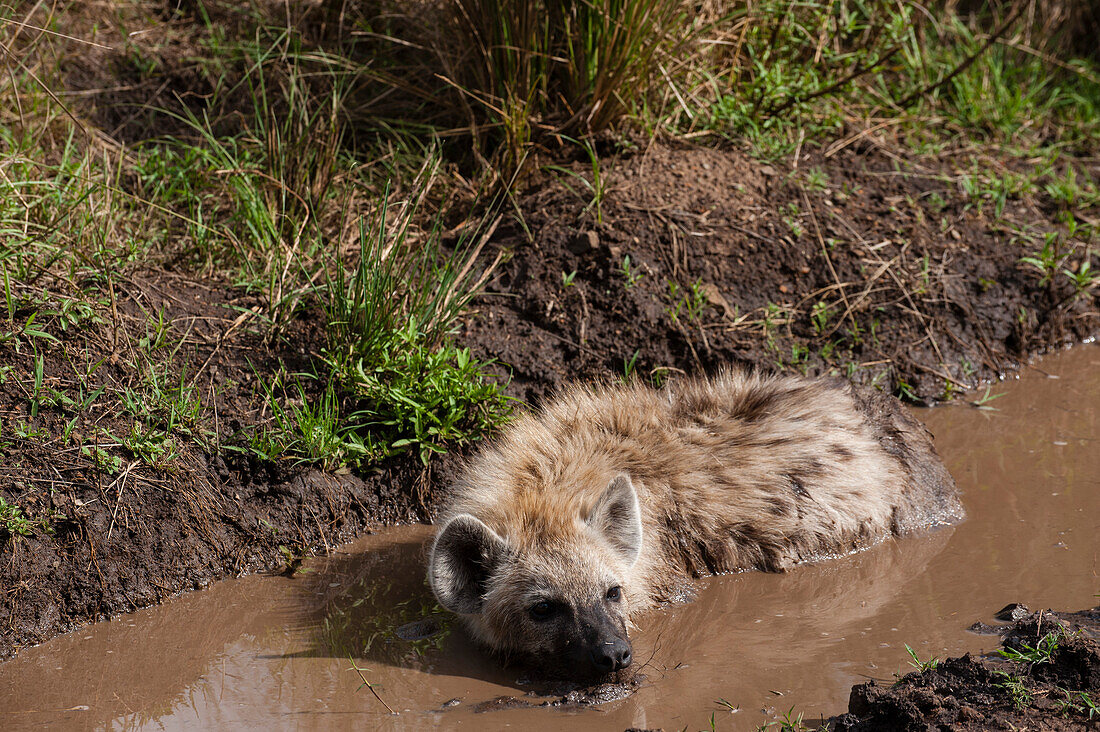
(15, 523)
(268, 202)
(688, 303)
(1041, 652)
(805, 71)
(531, 67)
(919, 665)
(1078, 702)
(1014, 686)
(389, 345)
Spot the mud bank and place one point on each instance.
(1050, 681)
(694, 258)
(279, 650)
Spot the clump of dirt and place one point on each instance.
(693, 258)
(601, 693)
(1049, 679)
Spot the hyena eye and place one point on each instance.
(615, 594)
(542, 610)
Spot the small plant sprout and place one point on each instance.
(630, 275)
(819, 316)
(791, 722)
(949, 389)
(919, 665)
(1046, 260)
(1084, 279)
(692, 303)
(1078, 702)
(791, 217)
(925, 275)
(13, 520)
(105, 461)
(596, 186)
(630, 364)
(906, 391)
(1092, 706)
(1014, 687)
(567, 278)
(817, 180)
(1041, 652)
(983, 401)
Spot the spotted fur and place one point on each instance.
(632, 487)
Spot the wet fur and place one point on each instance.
(742, 471)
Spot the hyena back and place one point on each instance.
(597, 507)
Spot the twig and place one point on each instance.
(841, 144)
(829, 261)
(59, 35)
(856, 73)
(967, 61)
(370, 686)
(121, 480)
(245, 315)
(45, 88)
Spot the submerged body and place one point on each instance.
(598, 506)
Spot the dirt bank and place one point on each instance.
(115, 518)
(857, 264)
(1047, 678)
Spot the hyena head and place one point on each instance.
(556, 595)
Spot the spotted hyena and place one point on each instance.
(595, 508)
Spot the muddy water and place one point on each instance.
(277, 653)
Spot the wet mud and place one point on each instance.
(297, 651)
(1047, 677)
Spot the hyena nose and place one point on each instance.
(612, 655)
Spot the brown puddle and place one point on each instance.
(272, 652)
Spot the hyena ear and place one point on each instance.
(464, 557)
(617, 517)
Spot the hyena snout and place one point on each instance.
(611, 655)
(603, 648)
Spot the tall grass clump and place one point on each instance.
(525, 68)
(406, 385)
(260, 176)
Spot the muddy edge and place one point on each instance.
(1047, 676)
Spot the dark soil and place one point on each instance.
(917, 297)
(1062, 693)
